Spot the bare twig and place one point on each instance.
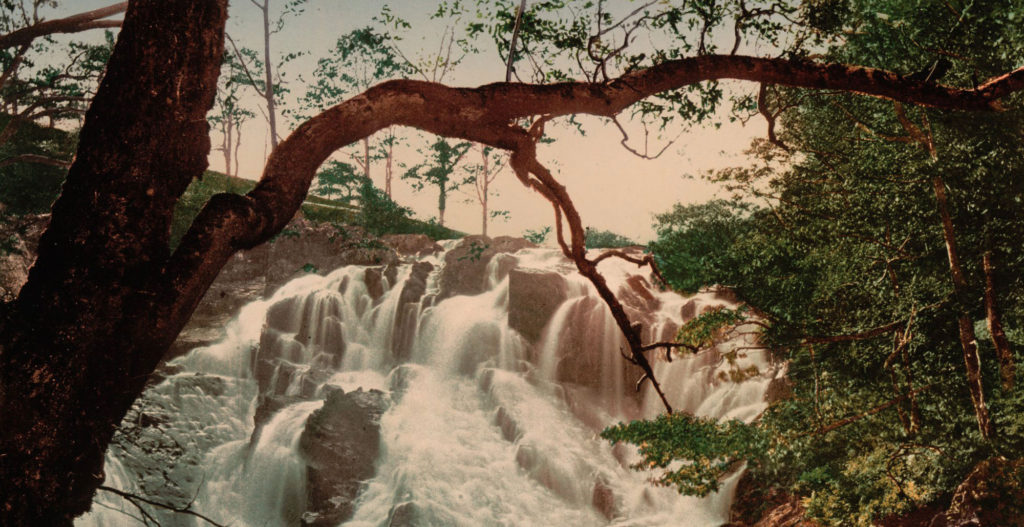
(137, 500)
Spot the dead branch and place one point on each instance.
(36, 159)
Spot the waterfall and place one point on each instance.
(493, 400)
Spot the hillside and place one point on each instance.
(316, 209)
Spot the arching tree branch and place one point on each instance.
(487, 115)
(72, 24)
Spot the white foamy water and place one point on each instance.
(487, 429)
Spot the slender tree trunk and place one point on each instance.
(442, 198)
(995, 325)
(388, 166)
(968, 340)
(366, 157)
(228, 132)
(97, 312)
(484, 183)
(268, 91)
(238, 144)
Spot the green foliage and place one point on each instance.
(710, 327)
(691, 453)
(691, 238)
(841, 235)
(537, 236)
(377, 213)
(475, 251)
(600, 239)
(27, 187)
(338, 179)
(437, 171)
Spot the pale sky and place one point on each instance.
(612, 188)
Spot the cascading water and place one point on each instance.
(493, 400)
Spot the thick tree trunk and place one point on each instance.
(968, 340)
(995, 325)
(93, 320)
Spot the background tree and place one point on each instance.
(481, 176)
(439, 171)
(229, 112)
(264, 74)
(55, 90)
(338, 178)
(360, 59)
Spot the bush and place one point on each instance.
(598, 239)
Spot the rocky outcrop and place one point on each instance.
(411, 245)
(301, 247)
(466, 264)
(533, 297)
(340, 445)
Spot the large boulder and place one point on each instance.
(533, 297)
(340, 445)
(465, 265)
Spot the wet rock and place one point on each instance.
(505, 422)
(408, 310)
(533, 297)
(340, 445)
(373, 277)
(411, 245)
(636, 293)
(689, 310)
(604, 499)
(268, 406)
(283, 378)
(465, 271)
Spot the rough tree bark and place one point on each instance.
(105, 299)
(90, 324)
